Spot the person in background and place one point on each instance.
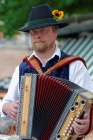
(42, 26)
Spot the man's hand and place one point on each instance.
(81, 126)
(11, 109)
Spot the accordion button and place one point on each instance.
(58, 137)
(82, 102)
(71, 119)
(65, 130)
(72, 109)
(63, 134)
(77, 115)
(76, 104)
(68, 134)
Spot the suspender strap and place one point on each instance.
(33, 61)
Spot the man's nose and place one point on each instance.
(38, 35)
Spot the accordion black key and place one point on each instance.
(48, 107)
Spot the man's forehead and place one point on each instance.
(43, 28)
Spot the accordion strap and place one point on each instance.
(33, 61)
(64, 62)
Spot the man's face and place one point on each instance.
(43, 38)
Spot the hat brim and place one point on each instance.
(42, 23)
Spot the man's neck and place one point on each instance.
(44, 56)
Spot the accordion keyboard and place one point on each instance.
(76, 111)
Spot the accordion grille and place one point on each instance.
(51, 98)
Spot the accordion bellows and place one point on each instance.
(45, 103)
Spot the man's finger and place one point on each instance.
(82, 121)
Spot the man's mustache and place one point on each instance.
(38, 42)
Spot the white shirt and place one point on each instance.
(77, 74)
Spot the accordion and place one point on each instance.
(48, 107)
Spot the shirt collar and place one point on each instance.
(56, 53)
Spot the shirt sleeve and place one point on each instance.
(13, 90)
(79, 75)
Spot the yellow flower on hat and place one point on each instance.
(57, 14)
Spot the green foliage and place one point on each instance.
(14, 13)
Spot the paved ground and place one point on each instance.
(9, 59)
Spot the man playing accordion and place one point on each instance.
(42, 26)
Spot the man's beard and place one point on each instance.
(40, 47)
